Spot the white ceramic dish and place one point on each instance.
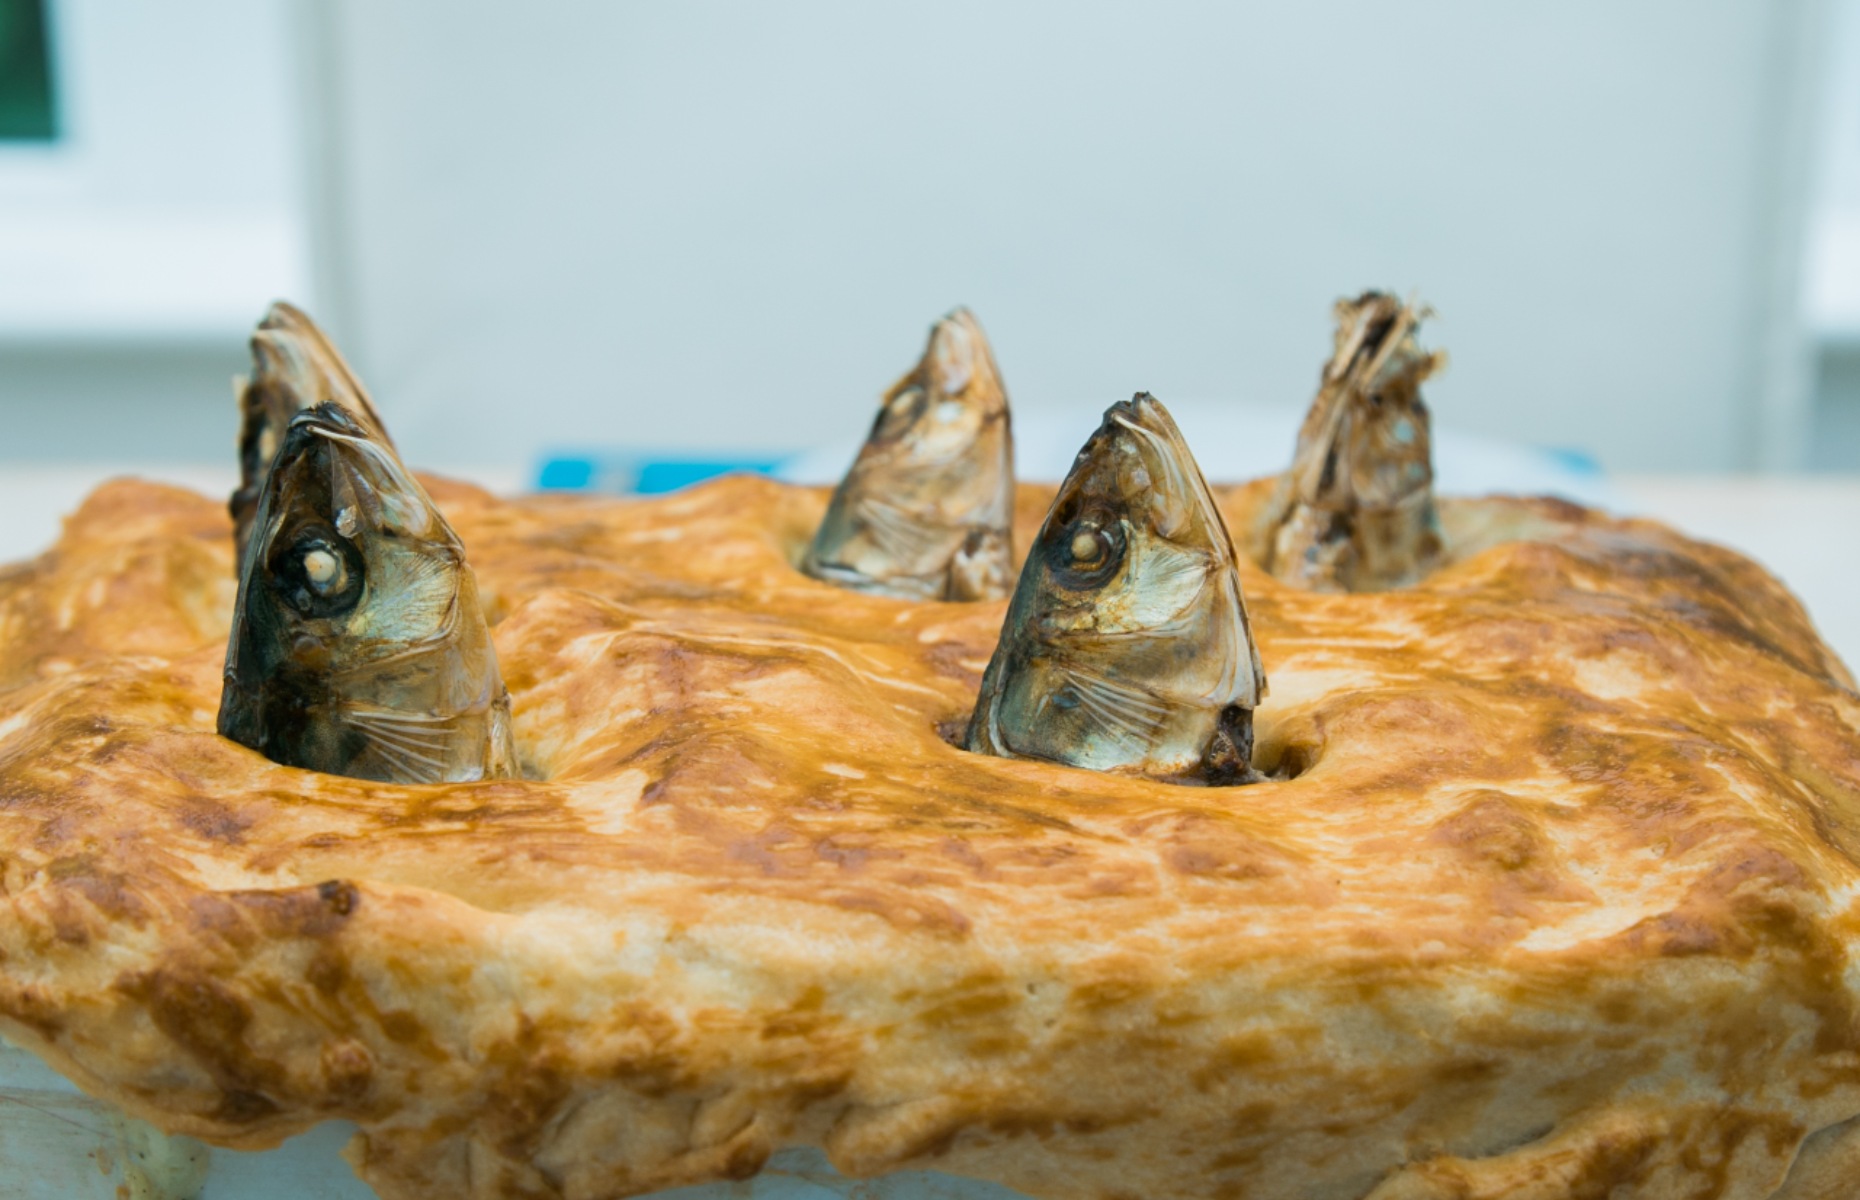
(58, 1144)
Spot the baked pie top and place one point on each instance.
(1551, 890)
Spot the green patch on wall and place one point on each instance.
(28, 106)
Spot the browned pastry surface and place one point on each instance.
(1558, 898)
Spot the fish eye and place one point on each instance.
(325, 571)
(1089, 549)
(899, 414)
(318, 572)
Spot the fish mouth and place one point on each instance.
(278, 357)
(1179, 504)
(295, 367)
(1371, 331)
(956, 400)
(1146, 411)
(1375, 350)
(366, 478)
(291, 352)
(328, 420)
(957, 355)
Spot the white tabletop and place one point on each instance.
(1805, 529)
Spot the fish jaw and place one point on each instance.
(392, 676)
(952, 357)
(320, 373)
(925, 511)
(1126, 646)
(1356, 510)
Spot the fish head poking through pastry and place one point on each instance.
(1126, 646)
(358, 645)
(294, 367)
(925, 511)
(1356, 511)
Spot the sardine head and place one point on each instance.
(935, 475)
(1356, 512)
(1366, 442)
(933, 417)
(358, 646)
(1126, 646)
(1133, 535)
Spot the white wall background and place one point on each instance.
(138, 250)
(714, 222)
(1833, 292)
(179, 160)
(727, 224)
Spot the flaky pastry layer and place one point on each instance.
(1553, 894)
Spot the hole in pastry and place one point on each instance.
(1295, 761)
(1282, 758)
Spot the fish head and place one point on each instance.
(1356, 511)
(1366, 442)
(935, 417)
(935, 471)
(349, 551)
(1126, 646)
(358, 646)
(1133, 536)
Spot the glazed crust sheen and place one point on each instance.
(1555, 896)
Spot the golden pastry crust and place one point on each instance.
(1559, 898)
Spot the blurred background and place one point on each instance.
(575, 241)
